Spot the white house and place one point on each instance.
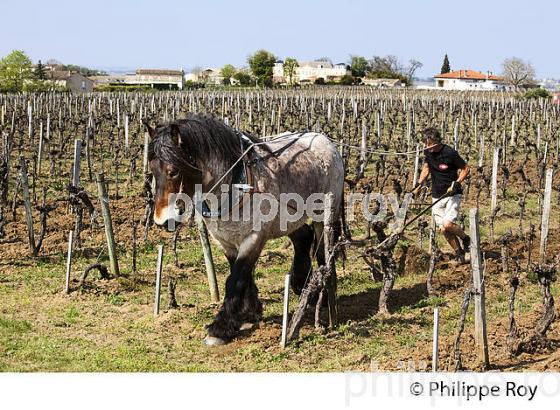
(155, 78)
(470, 80)
(309, 71)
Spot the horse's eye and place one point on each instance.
(173, 174)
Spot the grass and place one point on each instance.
(110, 327)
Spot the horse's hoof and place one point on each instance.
(247, 326)
(214, 341)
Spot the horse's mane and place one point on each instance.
(202, 138)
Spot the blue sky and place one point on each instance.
(182, 34)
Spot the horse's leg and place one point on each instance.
(302, 240)
(251, 307)
(319, 244)
(241, 299)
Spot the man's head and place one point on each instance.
(432, 139)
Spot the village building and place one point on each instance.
(470, 80)
(382, 82)
(154, 78)
(208, 76)
(310, 71)
(164, 79)
(74, 82)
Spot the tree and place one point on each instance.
(325, 59)
(83, 70)
(389, 64)
(290, 65)
(15, 69)
(517, 72)
(243, 78)
(390, 67)
(40, 71)
(537, 93)
(228, 71)
(53, 61)
(196, 70)
(359, 66)
(413, 65)
(262, 64)
(445, 67)
(348, 80)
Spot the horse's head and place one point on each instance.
(173, 168)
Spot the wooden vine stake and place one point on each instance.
(545, 214)
(208, 261)
(69, 262)
(285, 311)
(330, 262)
(27, 206)
(479, 294)
(76, 168)
(435, 344)
(145, 154)
(159, 268)
(494, 186)
(416, 164)
(104, 199)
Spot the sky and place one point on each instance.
(129, 34)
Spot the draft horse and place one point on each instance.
(202, 150)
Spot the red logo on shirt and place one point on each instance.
(443, 167)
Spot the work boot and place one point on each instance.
(460, 256)
(466, 244)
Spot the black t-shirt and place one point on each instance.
(444, 166)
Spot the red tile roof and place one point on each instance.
(469, 75)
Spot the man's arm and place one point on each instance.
(465, 171)
(424, 174)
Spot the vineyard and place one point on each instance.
(54, 146)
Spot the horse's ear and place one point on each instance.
(175, 134)
(151, 130)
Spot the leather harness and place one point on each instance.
(242, 177)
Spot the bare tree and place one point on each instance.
(325, 59)
(517, 72)
(413, 65)
(387, 64)
(196, 70)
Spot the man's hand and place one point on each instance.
(416, 190)
(454, 189)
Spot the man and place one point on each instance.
(448, 170)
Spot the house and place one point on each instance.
(470, 80)
(75, 82)
(309, 71)
(382, 82)
(154, 78)
(209, 76)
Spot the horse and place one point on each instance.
(200, 151)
